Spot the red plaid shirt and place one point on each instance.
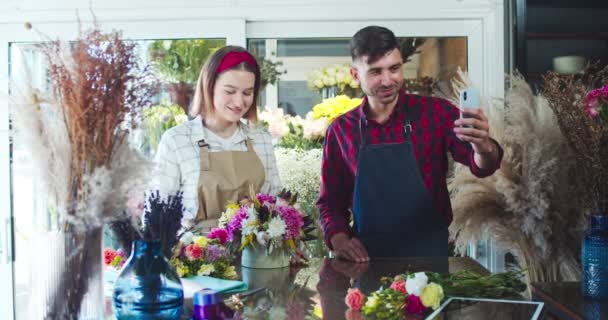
(432, 121)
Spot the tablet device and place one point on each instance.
(477, 309)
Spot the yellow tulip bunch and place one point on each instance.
(334, 107)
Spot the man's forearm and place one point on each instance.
(487, 160)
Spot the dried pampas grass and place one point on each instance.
(77, 136)
(530, 205)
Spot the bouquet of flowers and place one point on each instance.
(414, 293)
(197, 255)
(266, 220)
(333, 76)
(114, 258)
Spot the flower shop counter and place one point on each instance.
(318, 290)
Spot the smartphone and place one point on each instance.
(469, 98)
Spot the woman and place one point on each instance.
(219, 154)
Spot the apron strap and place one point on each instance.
(249, 145)
(205, 163)
(407, 127)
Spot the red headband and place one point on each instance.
(234, 58)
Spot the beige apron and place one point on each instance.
(225, 176)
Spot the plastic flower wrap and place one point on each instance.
(332, 76)
(266, 220)
(158, 119)
(596, 104)
(334, 107)
(197, 255)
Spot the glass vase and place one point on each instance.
(329, 92)
(147, 287)
(595, 259)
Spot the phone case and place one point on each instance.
(469, 98)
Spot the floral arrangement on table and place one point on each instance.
(197, 255)
(414, 293)
(265, 220)
(337, 76)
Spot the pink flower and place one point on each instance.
(414, 304)
(355, 299)
(193, 252)
(604, 91)
(236, 223)
(399, 285)
(293, 220)
(108, 256)
(264, 198)
(218, 233)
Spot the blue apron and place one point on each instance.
(394, 215)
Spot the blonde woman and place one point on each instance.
(219, 154)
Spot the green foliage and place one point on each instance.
(269, 71)
(295, 139)
(466, 283)
(181, 60)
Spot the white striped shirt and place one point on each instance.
(178, 159)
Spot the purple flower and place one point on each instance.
(266, 198)
(414, 304)
(236, 223)
(292, 219)
(121, 252)
(215, 252)
(218, 233)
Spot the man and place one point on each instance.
(386, 161)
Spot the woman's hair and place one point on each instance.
(202, 103)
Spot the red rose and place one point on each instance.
(109, 255)
(193, 252)
(355, 299)
(414, 304)
(399, 285)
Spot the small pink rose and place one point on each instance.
(218, 233)
(399, 285)
(355, 299)
(414, 304)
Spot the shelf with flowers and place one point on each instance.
(267, 229)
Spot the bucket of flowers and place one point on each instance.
(267, 229)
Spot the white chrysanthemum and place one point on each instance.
(276, 228)
(416, 284)
(186, 237)
(250, 224)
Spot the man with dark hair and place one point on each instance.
(385, 161)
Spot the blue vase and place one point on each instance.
(595, 259)
(148, 287)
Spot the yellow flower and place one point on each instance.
(317, 312)
(432, 295)
(332, 108)
(179, 267)
(230, 273)
(372, 303)
(201, 241)
(206, 270)
(231, 210)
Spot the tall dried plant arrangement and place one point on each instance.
(77, 135)
(529, 206)
(586, 135)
